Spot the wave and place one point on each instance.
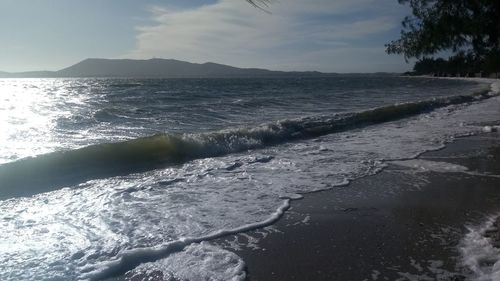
(67, 168)
(130, 259)
(480, 252)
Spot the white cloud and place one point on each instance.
(233, 32)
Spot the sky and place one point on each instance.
(322, 35)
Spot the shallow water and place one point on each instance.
(204, 157)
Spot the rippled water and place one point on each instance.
(226, 155)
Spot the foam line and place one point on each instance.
(132, 258)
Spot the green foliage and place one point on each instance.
(492, 62)
(458, 65)
(469, 27)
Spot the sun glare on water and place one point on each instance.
(29, 111)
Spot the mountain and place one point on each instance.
(28, 74)
(156, 68)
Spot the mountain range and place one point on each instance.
(156, 68)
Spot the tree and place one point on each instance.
(469, 27)
(429, 65)
(492, 63)
(458, 65)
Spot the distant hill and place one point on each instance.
(28, 74)
(157, 68)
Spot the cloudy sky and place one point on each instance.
(324, 35)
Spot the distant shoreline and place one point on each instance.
(156, 68)
(166, 69)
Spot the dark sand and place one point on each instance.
(396, 225)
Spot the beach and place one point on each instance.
(408, 222)
(200, 179)
(250, 140)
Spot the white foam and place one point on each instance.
(292, 196)
(494, 83)
(137, 256)
(426, 270)
(490, 129)
(478, 253)
(421, 165)
(197, 262)
(495, 86)
(114, 225)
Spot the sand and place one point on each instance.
(404, 223)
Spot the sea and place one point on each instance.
(106, 177)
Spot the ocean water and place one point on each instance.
(134, 177)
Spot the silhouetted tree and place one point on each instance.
(468, 28)
(457, 25)
(492, 63)
(459, 65)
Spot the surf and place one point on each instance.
(54, 170)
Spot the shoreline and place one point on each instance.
(408, 221)
(363, 230)
(332, 233)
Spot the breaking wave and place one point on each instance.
(64, 168)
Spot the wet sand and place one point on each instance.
(401, 224)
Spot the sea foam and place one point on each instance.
(479, 254)
(160, 220)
